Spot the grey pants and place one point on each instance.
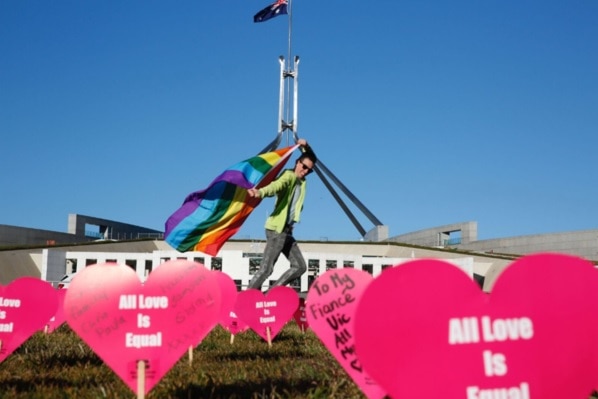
(277, 243)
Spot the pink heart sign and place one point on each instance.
(267, 312)
(228, 318)
(300, 316)
(125, 321)
(26, 305)
(233, 324)
(59, 317)
(330, 306)
(425, 328)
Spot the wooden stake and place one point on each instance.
(232, 338)
(140, 379)
(268, 334)
(190, 355)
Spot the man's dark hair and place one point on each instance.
(309, 154)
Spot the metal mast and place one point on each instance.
(287, 71)
(287, 123)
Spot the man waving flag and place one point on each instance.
(273, 10)
(209, 217)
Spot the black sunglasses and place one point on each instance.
(305, 167)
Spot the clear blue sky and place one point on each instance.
(431, 112)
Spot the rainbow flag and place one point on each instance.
(209, 217)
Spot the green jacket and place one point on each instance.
(283, 188)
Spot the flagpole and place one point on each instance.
(288, 67)
(290, 8)
(289, 70)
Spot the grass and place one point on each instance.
(61, 365)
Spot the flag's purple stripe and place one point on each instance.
(218, 214)
(196, 204)
(176, 232)
(196, 213)
(244, 174)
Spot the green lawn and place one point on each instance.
(61, 365)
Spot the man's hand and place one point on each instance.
(253, 192)
(302, 142)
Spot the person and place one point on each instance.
(289, 189)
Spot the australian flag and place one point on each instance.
(273, 10)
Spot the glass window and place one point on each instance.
(296, 284)
(313, 266)
(90, 262)
(71, 266)
(216, 263)
(254, 265)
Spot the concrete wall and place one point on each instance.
(378, 233)
(49, 267)
(21, 236)
(13, 236)
(20, 263)
(110, 229)
(437, 236)
(579, 243)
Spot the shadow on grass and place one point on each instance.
(248, 390)
(21, 385)
(265, 355)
